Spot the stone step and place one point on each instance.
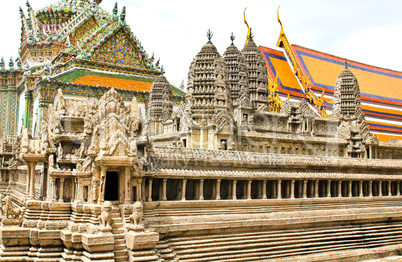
(262, 245)
(146, 259)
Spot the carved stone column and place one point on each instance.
(350, 188)
(53, 188)
(31, 193)
(201, 189)
(150, 190)
(370, 188)
(139, 191)
(218, 189)
(380, 188)
(279, 189)
(361, 188)
(234, 189)
(163, 197)
(264, 189)
(305, 188)
(329, 188)
(61, 195)
(183, 190)
(316, 195)
(340, 189)
(127, 199)
(389, 188)
(398, 188)
(249, 189)
(101, 198)
(292, 189)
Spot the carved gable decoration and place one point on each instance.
(84, 29)
(120, 49)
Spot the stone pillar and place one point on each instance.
(329, 188)
(398, 188)
(127, 199)
(305, 188)
(370, 188)
(292, 189)
(201, 189)
(380, 188)
(279, 189)
(361, 188)
(316, 195)
(183, 190)
(139, 190)
(249, 189)
(340, 189)
(101, 198)
(150, 190)
(350, 188)
(31, 193)
(218, 189)
(53, 188)
(61, 196)
(234, 189)
(389, 188)
(264, 189)
(164, 198)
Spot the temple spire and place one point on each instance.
(232, 38)
(115, 10)
(123, 15)
(209, 35)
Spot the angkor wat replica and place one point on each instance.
(233, 173)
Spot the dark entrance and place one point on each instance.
(112, 186)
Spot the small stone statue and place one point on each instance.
(136, 217)
(105, 218)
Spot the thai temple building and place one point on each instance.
(271, 154)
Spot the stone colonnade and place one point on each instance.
(163, 189)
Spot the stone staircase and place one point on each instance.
(280, 244)
(120, 250)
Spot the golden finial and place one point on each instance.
(248, 27)
(288, 97)
(279, 21)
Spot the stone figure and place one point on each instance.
(8, 210)
(136, 217)
(95, 190)
(105, 218)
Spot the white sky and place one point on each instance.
(365, 31)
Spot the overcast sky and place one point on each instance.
(365, 31)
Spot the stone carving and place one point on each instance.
(105, 218)
(136, 217)
(9, 211)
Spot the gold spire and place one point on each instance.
(248, 27)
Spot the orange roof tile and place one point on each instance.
(114, 82)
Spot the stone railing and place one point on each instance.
(241, 158)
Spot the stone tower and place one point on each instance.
(237, 69)
(347, 103)
(160, 104)
(347, 108)
(208, 83)
(258, 81)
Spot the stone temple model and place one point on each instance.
(235, 172)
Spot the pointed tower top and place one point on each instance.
(346, 64)
(123, 15)
(209, 35)
(115, 10)
(232, 38)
